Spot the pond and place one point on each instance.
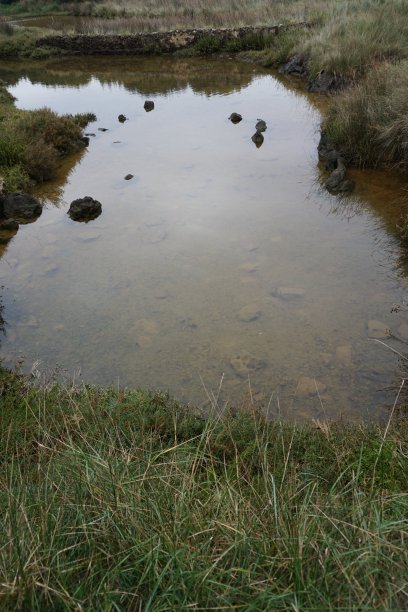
(220, 270)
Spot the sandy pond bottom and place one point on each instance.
(220, 268)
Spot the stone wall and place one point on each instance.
(154, 43)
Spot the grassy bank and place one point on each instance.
(126, 500)
(32, 143)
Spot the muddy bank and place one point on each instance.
(164, 42)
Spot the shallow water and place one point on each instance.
(210, 231)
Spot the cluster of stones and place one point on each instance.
(260, 127)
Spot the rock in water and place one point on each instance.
(235, 117)
(260, 125)
(245, 364)
(308, 387)
(249, 313)
(85, 209)
(122, 118)
(128, 177)
(21, 207)
(377, 329)
(288, 293)
(257, 139)
(148, 106)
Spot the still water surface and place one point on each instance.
(220, 268)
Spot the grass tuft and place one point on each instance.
(369, 122)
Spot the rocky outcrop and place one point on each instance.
(85, 209)
(154, 42)
(21, 207)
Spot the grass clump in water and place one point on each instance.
(32, 143)
(122, 500)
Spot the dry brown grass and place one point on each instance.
(152, 15)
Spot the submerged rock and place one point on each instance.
(249, 267)
(21, 207)
(308, 387)
(122, 118)
(377, 329)
(288, 293)
(257, 139)
(128, 177)
(260, 125)
(344, 355)
(148, 106)
(249, 313)
(245, 364)
(102, 129)
(85, 209)
(235, 117)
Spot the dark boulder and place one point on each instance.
(122, 118)
(85, 140)
(257, 139)
(296, 65)
(128, 177)
(85, 209)
(325, 82)
(21, 207)
(260, 125)
(235, 117)
(148, 106)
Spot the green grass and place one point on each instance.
(114, 500)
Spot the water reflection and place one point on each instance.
(218, 268)
(147, 76)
